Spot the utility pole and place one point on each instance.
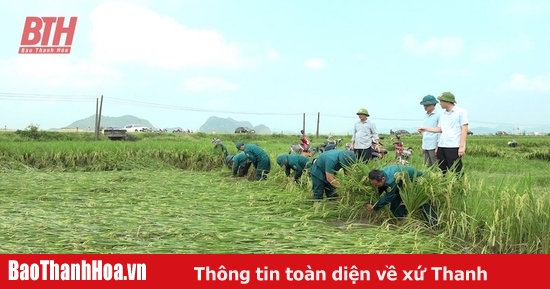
(318, 121)
(96, 135)
(99, 116)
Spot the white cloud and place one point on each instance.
(202, 83)
(456, 72)
(444, 47)
(123, 32)
(526, 7)
(485, 52)
(55, 71)
(523, 83)
(521, 43)
(315, 63)
(273, 54)
(488, 52)
(219, 103)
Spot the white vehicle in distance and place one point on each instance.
(136, 128)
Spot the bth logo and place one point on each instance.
(38, 31)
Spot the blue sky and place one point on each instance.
(268, 62)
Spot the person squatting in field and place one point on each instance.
(293, 162)
(364, 135)
(258, 157)
(323, 171)
(389, 187)
(238, 164)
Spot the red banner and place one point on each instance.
(253, 271)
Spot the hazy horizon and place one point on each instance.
(268, 62)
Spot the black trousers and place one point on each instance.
(447, 157)
(363, 155)
(243, 171)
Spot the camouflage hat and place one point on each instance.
(363, 111)
(428, 99)
(447, 96)
(239, 145)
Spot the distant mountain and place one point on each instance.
(481, 130)
(107, 121)
(262, 129)
(228, 125)
(511, 129)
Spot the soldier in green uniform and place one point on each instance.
(384, 179)
(238, 164)
(323, 171)
(258, 157)
(229, 161)
(294, 162)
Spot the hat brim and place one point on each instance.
(442, 99)
(428, 102)
(363, 114)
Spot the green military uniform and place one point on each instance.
(240, 165)
(391, 189)
(294, 162)
(328, 162)
(229, 161)
(259, 159)
(219, 147)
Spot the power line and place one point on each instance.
(45, 97)
(127, 102)
(35, 95)
(377, 118)
(176, 107)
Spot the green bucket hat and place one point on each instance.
(281, 159)
(363, 111)
(447, 96)
(429, 99)
(346, 158)
(239, 145)
(228, 159)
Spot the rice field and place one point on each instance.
(170, 193)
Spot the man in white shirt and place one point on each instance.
(430, 139)
(364, 135)
(453, 126)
